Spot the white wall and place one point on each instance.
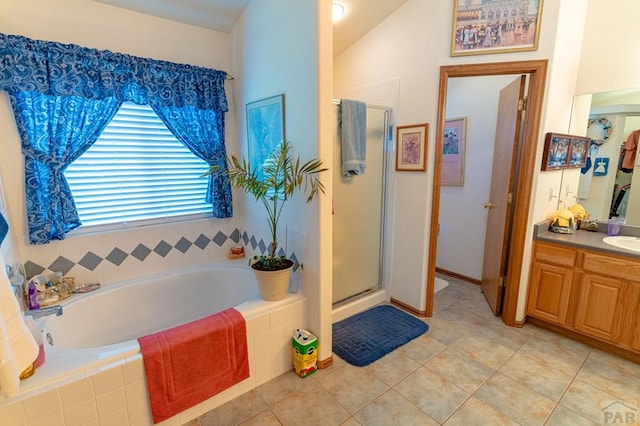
(610, 56)
(95, 25)
(463, 219)
(270, 59)
(389, 52)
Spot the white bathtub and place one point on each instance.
(98, 330)
(116, 315)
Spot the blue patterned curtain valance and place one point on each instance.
(58, 69)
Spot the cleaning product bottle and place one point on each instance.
(32, 295)
(37, 335)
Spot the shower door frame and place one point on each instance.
(382, 258)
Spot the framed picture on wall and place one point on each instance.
(265, 129)
(411, 147)
(578, 151)
(453, 153)
(481, 27)
(556, 151)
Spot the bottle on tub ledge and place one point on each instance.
(31, 293)
(42, 291)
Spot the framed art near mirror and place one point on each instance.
(564, 151)
(556, 151)
(578, 151)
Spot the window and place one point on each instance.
(137, 171)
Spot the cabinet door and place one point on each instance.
(630, 316)
(598, 303)
(549, 290)
(635, 337)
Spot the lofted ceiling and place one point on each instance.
(220, 15)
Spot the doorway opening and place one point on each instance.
(482, 134)
(523, 177)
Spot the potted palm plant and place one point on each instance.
(282, 176)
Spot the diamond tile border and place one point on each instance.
(117, 256)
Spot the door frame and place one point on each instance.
(537, 71)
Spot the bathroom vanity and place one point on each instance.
(586, 287)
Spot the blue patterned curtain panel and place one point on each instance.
(202, 131)
(69, 70)
(63, 96)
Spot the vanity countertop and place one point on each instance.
(586, 239)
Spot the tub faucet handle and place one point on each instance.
(43, 312)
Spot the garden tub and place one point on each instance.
(98, 331)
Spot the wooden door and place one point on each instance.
(496, 246)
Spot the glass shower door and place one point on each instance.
(358, 216)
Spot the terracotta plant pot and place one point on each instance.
(273, 285)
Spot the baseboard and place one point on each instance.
(598, 344)
(458, 276)
(408, 308)
(520, 323)
(325, 363)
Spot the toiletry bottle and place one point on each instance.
(37, 335)
(32, 295)
(58, 282)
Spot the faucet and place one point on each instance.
(43, 312)
(16, 279)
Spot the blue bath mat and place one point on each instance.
(370, 335)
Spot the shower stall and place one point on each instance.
(359, 214)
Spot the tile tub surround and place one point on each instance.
(117, 394)
(143, 251)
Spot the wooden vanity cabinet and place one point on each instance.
(550, 282)
(588, 292)
(608, 298)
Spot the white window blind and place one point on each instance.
(137, 171)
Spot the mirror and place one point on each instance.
(608, 186)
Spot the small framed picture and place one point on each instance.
(578, 152)
(411, 147)
(556, 151)
(453, 153)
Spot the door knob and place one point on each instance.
(489, 206)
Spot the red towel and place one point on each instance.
(190, 363)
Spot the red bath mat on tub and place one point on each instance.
(190, 363)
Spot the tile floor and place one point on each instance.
(468, 369)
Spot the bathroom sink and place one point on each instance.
(625, 242)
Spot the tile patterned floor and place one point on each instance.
(468, 369)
